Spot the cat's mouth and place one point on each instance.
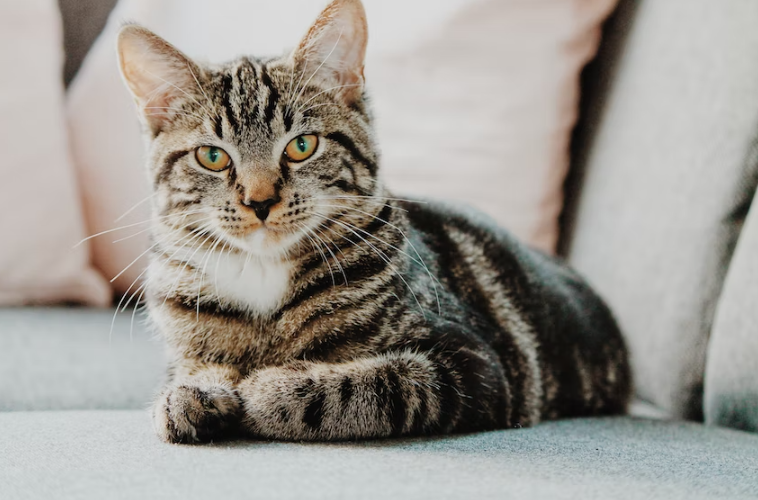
(256, 229)
(263, 238)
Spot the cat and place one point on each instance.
(299, 300)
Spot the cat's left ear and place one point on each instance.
(334, 49)
(156, 73)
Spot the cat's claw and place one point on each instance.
(191, 414)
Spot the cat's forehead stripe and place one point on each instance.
(273, 97)
(226, 95)
(251, 97)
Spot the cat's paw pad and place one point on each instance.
(188, 414)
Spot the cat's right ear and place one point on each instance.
(156, 73)
(334, 49)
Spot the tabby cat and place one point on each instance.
(299, 300)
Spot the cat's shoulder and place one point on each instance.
(463, 222)
(433, 215)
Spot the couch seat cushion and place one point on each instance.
(114, 454)
(77, 359)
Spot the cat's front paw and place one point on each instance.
(190, 414)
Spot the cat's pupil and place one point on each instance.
(213, 155)
(301, 145)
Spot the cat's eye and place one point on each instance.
(213, 158)
(301, 148)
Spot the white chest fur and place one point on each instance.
(257, 284)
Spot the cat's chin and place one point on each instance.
(266, 242)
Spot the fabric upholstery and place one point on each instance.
(665, 184)
(509, 159)
(60, 359)
(731, 375)
(40, 212)
(82, 22)
(101, 454)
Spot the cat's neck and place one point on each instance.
(255, 284)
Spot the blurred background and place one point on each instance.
(619, 134)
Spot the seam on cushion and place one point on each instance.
(596, 83)
(746, 187)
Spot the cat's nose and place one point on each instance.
(262, 208)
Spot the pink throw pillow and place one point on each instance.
(41, 217)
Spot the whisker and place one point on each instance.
(291, 100)
(111, 231)
(157, 90)
(324, 92)
(287, 256)
(151, 220)
(382, 256)
(189, 67)
(180, 90)
(318, 248)
(342, 270)
(132, 235)
(126, 305)
(166, 113)
(135, 207)
(175, 110)
(202, 275)
(150, 229)
(247, 261)
(133, 262)
(377, 198)
(136, 306)
(320, 66)
(289, 88)
(334, 282)
(218, 261)
(197, 248)
(380, 240)
(118, 306)
(318, 106)
(377, 203)
(410, 243)
(139, 257)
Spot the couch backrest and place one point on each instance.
(663, 177)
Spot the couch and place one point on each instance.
(657, 217)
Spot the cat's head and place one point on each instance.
(256, 152)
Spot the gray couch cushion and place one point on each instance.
(667, 179)
(114, 454)
(731, 375)
(57, 359)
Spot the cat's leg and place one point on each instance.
(399, 393)
(198, 405)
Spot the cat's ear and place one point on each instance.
(156, 73)
(334, 49)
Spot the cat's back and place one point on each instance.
(484, 264)
(455, 232)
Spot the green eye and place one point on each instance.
(213, 158)
(301, 148)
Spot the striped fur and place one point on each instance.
(346, 313)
